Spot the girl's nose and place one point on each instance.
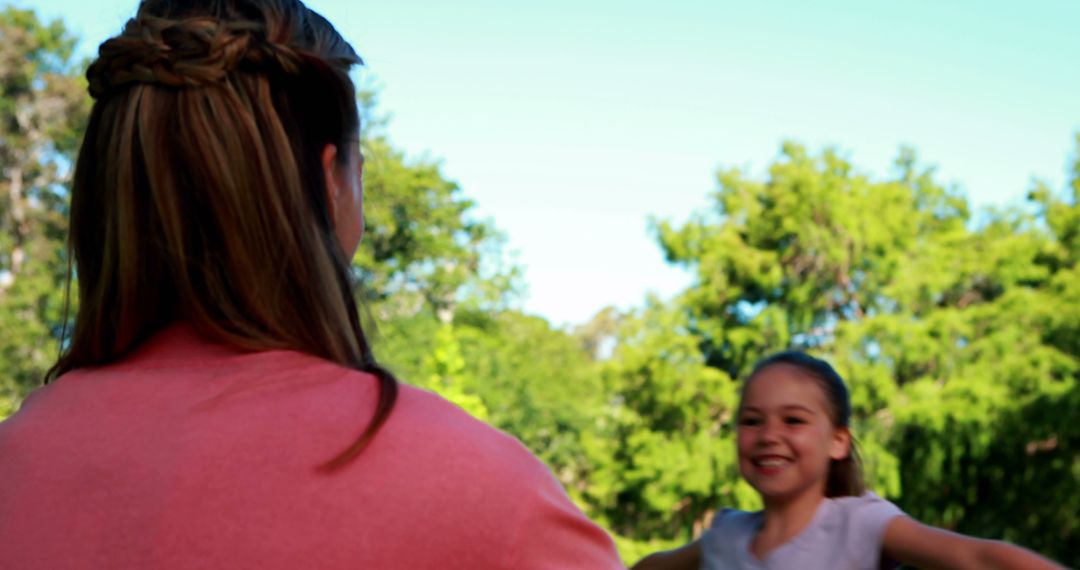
(769, 433)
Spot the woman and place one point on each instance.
(218, 404)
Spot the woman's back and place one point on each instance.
(189, 454)
(219, 187)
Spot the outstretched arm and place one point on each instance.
(911, 542)
(684, 558)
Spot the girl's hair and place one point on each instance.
(845, 475)
(199, 191)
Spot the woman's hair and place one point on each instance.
(199, 192)
(845, 476)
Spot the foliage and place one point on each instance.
(958, 331)
(43, 108)
(422, 249)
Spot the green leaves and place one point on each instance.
(957, 331)
(422, 249)
(664, 458)
(43, 107)
(957, 334)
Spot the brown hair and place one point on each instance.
(845, 478)
(199, 192)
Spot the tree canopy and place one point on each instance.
(43, 108)
(957, 329)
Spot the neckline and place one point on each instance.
(175, 344)
(801, 536)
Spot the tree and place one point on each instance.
(537, 384)
(43, 108)
(424, 260)
(957, 334)
(958, 331)
(664, 458)
(422, 247)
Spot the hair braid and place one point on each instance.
(190, 52)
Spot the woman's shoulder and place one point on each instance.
(491, 482)
(423, 427)
(420, 413)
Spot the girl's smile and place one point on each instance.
(786, 437)
(769, 465)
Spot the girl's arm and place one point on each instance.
(684, 558)
(931, 548)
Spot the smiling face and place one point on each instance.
(786, 437)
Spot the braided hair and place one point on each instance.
(199, 192)
(192, 52)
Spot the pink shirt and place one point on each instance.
(195, 455)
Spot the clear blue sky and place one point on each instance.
(570, 122)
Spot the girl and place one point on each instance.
(218, 404)
(795, 448)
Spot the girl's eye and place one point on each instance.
(749, 421)
(794, 420)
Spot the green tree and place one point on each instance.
(664, 458)
(538, 384)
(423, 249)
(43, 107)
(423, 260)
(442, 293)
(957, 333)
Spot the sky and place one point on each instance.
(571, 123)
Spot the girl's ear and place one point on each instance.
(840, 446)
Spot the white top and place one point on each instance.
(846, 533)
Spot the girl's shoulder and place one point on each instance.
(845, 532)
(859, 523)
(736, 519)
(865, 508)
(725, 543)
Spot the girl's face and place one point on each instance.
(786, 438)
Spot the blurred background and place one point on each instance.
(587, 220)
